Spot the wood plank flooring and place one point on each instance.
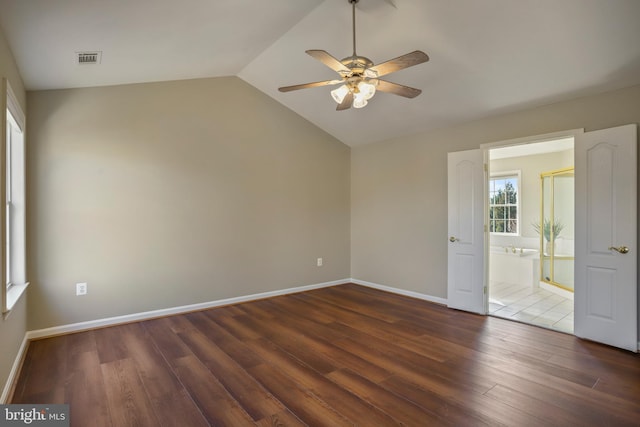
(345, 355)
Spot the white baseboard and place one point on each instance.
(128, 318)
(404, 292)
(112, 321)
(14, 371)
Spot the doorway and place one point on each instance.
(531, 233)
(606, 224)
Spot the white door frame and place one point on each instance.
(532, 139)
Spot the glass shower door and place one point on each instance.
(556, 228)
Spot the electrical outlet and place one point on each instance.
(81, 288)
(319, 262)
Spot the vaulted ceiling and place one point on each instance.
(487, 56)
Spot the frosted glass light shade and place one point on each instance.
(359, 101)
(366, 89)
(339, 94)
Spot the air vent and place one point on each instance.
(87, 58)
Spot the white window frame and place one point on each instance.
(14, 226)
(507, 174)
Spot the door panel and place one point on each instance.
(464, 278)
(601, 178)
(465, 284)
(606, 220)
(600, 289)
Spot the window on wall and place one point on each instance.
(14, 230)
(504, 204)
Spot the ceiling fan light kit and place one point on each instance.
(359, 76)
(362, 92)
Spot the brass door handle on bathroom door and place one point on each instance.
(453, 239)
(621, 249)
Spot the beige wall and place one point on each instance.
(399, 187)
(166, 194)
(14, 327)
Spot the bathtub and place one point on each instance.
(521, 267)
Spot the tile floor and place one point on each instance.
(531, 305)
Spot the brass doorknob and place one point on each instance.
(453, 239)
(621, 249)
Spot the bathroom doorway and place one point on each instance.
(531, 233)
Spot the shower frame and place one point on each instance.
(551, 256)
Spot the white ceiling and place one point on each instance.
(487, 56)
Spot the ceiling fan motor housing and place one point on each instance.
(357, 64)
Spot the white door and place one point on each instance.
(465, 279)
(606, 299)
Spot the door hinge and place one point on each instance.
(486, 168)
(484, 290)
(485, 228)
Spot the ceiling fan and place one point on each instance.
(359, 76)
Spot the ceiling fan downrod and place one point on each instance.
(357, 64)
(353, 20)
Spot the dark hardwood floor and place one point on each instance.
(330, 357)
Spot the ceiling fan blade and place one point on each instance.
(346, 102)
(396, 89)
(399, 63)
(308, 85)
(329, 61)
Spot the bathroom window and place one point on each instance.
(504, 204)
